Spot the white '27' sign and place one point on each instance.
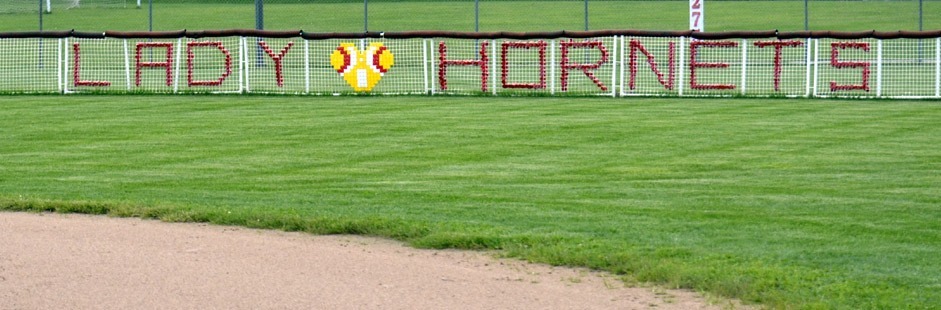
(696, 15)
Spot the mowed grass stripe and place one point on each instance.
(790, 203)
(494, 16)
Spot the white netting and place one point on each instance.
(713, 68)
(274, 65)
(324, 79)
(145, 65)
(587, 66)
(523, 66)
(597, 66)
(462, 66)
(210, 65)
(154, 65)
(651, 66)
(376, 66)
(908, 67)
(96, 65)
(776, 67)
(846, 67)
(408, 73)
(29, 65)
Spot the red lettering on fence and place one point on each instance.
(278, 65)
(444, 63)
(834, 54)
(191, 59)
(505, 68)
(585, 68)
(778, 63)
(76, 68)
(671, 75)
(168, 64)
(693, 64)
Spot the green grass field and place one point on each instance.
(347, 16)
(786, 203)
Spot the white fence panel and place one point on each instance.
(605, 66)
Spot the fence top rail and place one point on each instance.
(195, 34)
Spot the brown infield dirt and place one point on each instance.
(56, 261)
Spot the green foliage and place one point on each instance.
(788, 203)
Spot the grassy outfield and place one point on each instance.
(347, 16)
(788, 203)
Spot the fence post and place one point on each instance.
(807, 67)
(552, 47)
(586, 15)
(65, 67)
(816, 66)
(806, 15)
(40, 30)
(682, 69)
(127, 66)
(744, 62)
(176, 74)
(937, 67)
(431, 60)
(493, 66)
(614, 65)
(476, 15)
(424, 66)
(621, 71)
(245, 67)
(306, 66)
(260, 25)
(59, 61)
(879, 68)
(259, 14)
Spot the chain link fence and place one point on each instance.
(466, 15)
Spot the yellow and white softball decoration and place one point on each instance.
(362, 69)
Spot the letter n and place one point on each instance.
(671, 75)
